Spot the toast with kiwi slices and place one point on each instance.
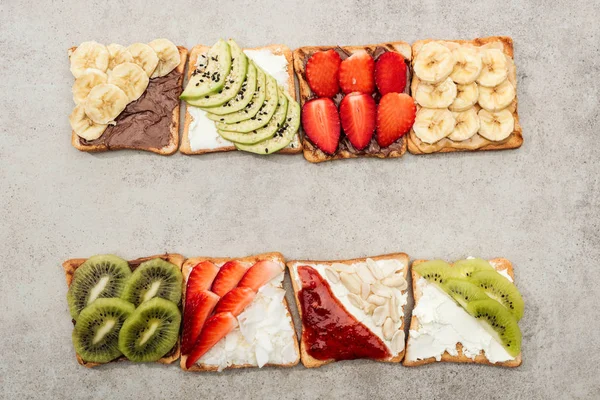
(243, 103)
(236, 314)
(148, 83)
(471, 105)
(111, 299)
(471, 293)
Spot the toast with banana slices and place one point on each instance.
(236, 315)
(364, 296)
(213, 128)
(72, 265)
(466, 97)
(143, 83)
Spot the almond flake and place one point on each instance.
(398, 341)
(377, 300)
(380, 314)
(375, 270)
(364, 273)
(355, 300)
(332, 275)
(351, 282)
(388, 329)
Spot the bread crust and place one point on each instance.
(514, 140)
(307, 360)
(498, 263)
(174, 131)
(277, 49)
(189, 264)
(177, 259)
(313, 153)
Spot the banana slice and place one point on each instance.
(432, 125)
(467, 124)
(105, 102)
(144, 56)
(496, 126)
(468, 65)
(83, 126)
(495, 68)
(86, 81)
(434, 63)
(436, 96)
(131, 79)
(498, 97)
(89, 55)
(118, 55)
(168, 56)
(466, 97)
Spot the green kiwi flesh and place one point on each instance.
(463, 291)
(151, 331)
(435, 271)
(499, 322)
(100, 276)
(96, 333)
(500, 289)
(154, 278)
(467, 267)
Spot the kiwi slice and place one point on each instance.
(467, 267)
(500, 289)
(98, 277)
(151, 331)
(499, 322)
(435, 271)
(154, 278)
(463, 291)
(96, 333)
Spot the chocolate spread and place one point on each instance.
(146, 122)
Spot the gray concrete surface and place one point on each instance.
(537, 206)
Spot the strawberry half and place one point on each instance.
(201, 277)
(260, 273)
(322, 70)
(228, 277)
(321, 123)
(390, 73)
(198, 306)
(236, 300)
(395, 116)
(356, 73)
(215, 329)
(357, 113)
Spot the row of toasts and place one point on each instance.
(355, 101)
(219, 313)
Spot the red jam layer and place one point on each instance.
(329, 331)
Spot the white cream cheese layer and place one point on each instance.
(341, 293)
(443, 324)
(265, 334)
(203, 133)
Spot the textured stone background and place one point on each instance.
(537, 206)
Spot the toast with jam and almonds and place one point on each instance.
(307, 359)
(71, 265)
(500, 264)
(476, 142)
(345, 149)
(277, 49)
(165, 141)
(192, 263)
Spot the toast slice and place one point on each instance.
(476, 142)
(177, 259)
(170, 148)
(501, 264)
(308, 360)
(190, 263)
(345, 150)
(277, 49)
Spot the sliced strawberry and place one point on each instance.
(215, 329)
(321, 123)
(356, 73)
(236, 301)
(357, 113)
(198, 306)
(201, 277)
(390, 73)
(395, 115)
(260, 273)
(322, 70)
(228, 277)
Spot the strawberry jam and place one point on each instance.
(329, 331)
